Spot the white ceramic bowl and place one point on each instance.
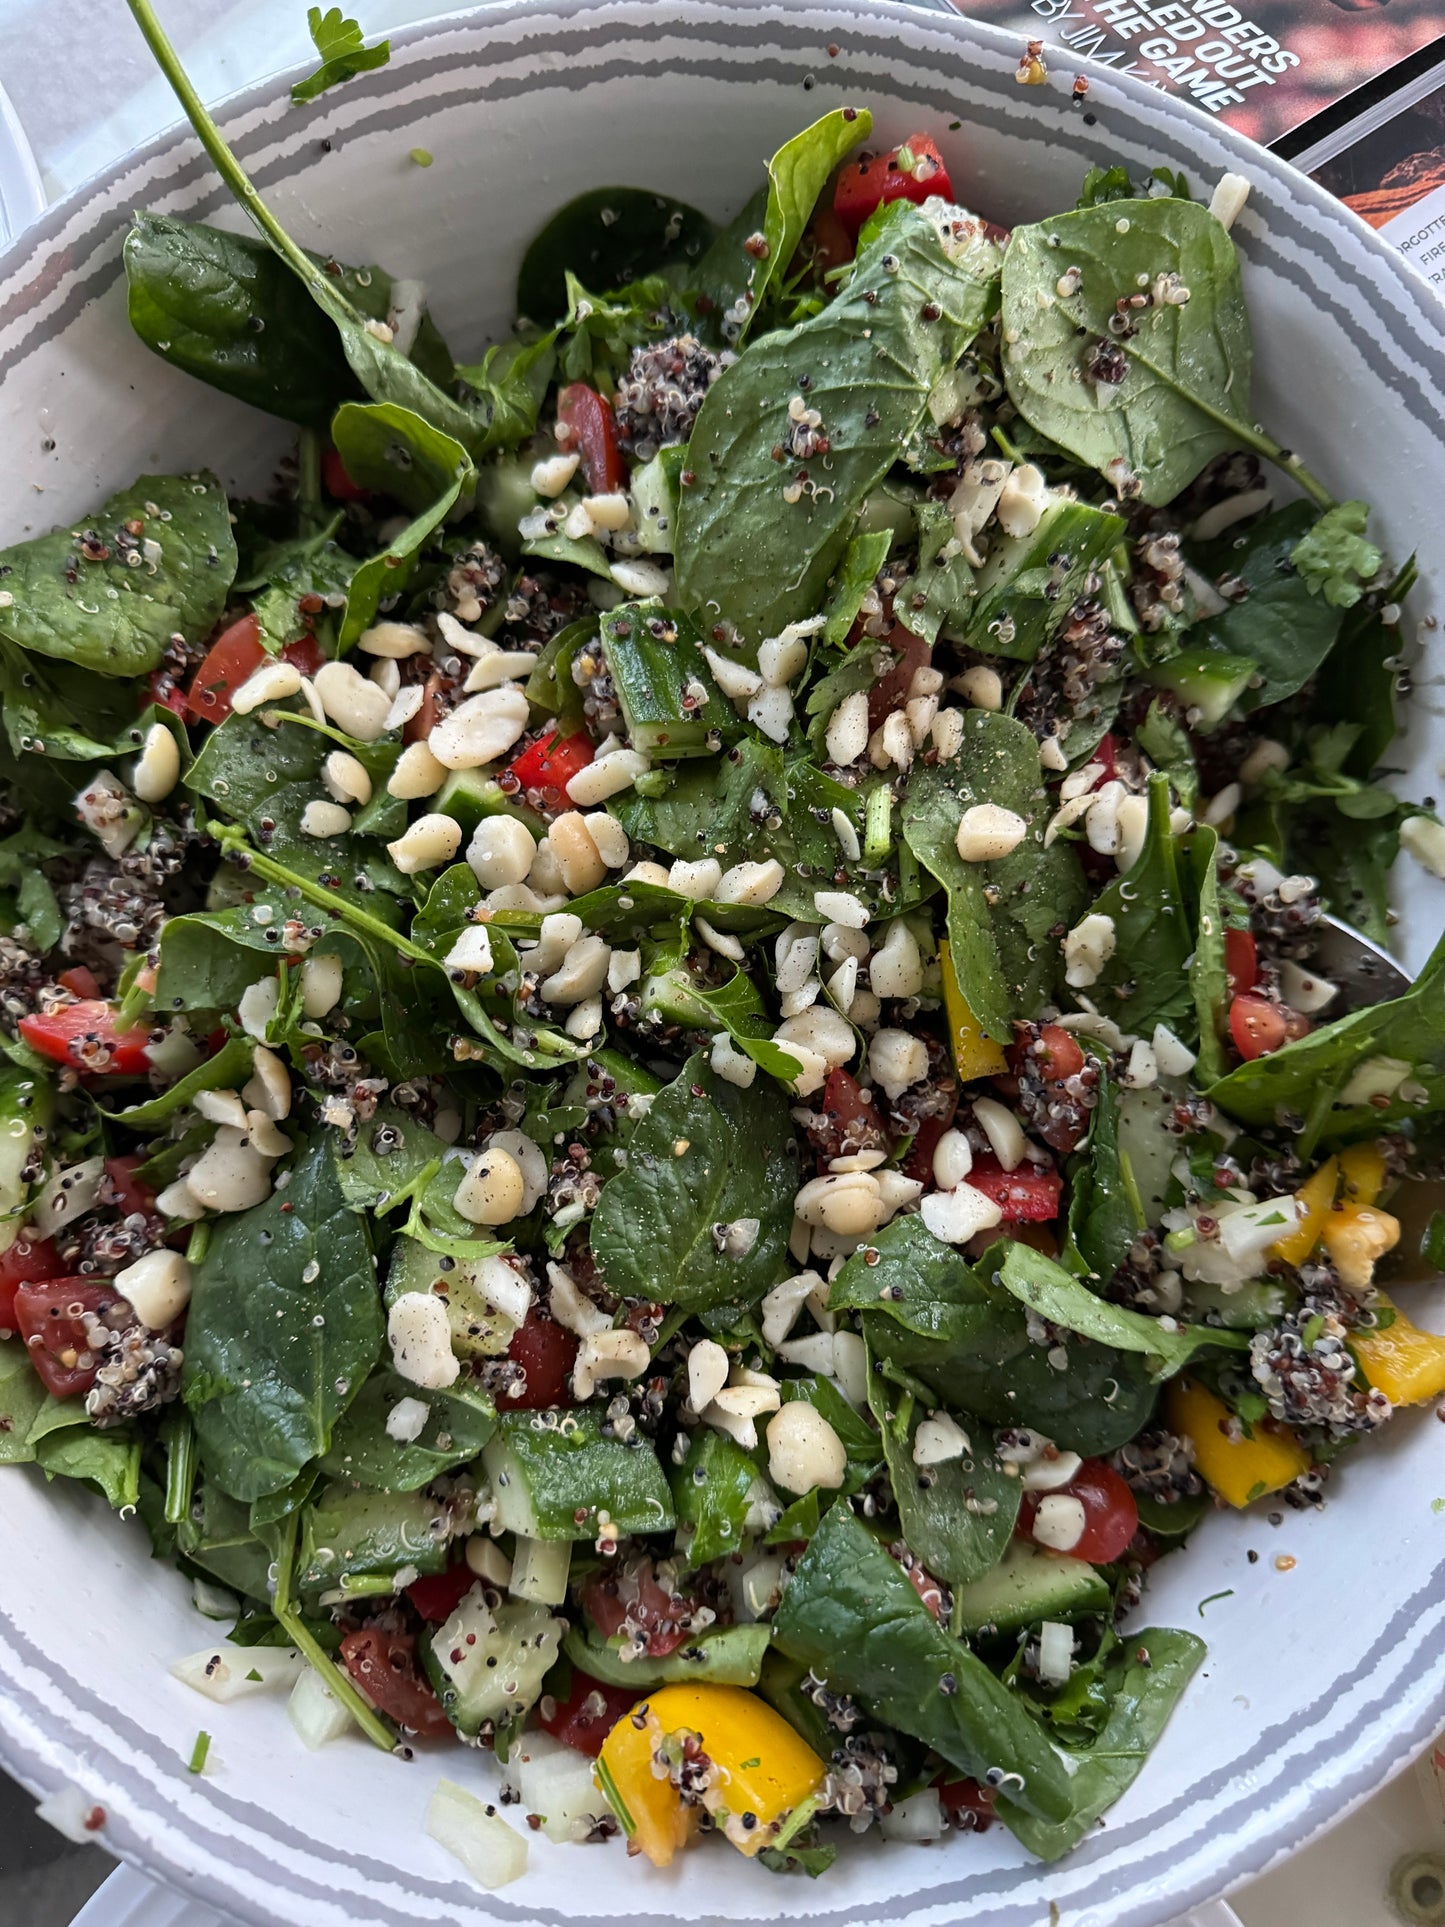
(1321, 1678)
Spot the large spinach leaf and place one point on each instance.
(958, 1516)
(869, 359)
(1184, 397)
(1280, 622)
(21, 1397)
(706, 1155)
(1104, 1215)
(797, 175)
(1153, 936)
(851, 1613)
(710, 1495)
(285, 1324)
(67, 712)
(1000, 914)
(1146, 1677)
(608, 237)
(459, 1422)
(78, 594)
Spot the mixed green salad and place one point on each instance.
(668, 1107)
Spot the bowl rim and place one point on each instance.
(254, 117)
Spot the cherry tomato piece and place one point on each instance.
(588, 1714)
(384, 1667)
(587, 425)
(337, 483)
(548, 765)
(1241, 962)
(1111, 1517)
(235, 655)
(1025, 1196)
(968, 1796)
(165, 692)
(125, 1190)
(546, 1352)
(437, 1595)
(913, 172)
(631, 1596)
(829, 242)
(1055, 1057)
(890, 692)
(79, 981)
(84, 1036)
(1256, 1025)
(50, 1317)
(30, 1260)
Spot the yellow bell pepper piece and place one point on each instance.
(1315, 1197)
(1363, 1170)
(974, 1055)
(1403, 1362)
(764, 1768)
(1238, 1470)
(1357, 1236)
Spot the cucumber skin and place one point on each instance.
(1028, 1585)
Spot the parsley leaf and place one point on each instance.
(339, 43)
(1335, 559)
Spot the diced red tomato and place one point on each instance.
(437, 1595)
(125, 1189)
(968, 1796)
(1107, 754)
(85, 1037)
(1058, 1059)
(236, 654)
(545, 767)
(1256, 1025)
(631, 1596)
(890, 692)
(852, 1113)
(919, 1162)
(913, 172)
(585, 422)
(1241, 962)
(831, 243)
(29, 1260)
(1025, 1196)
(79, 981)
(588, 1714)
(384, 1667)
(50, 1318)
(163, 690)
(337, 483)
(1111, 1517)
(546, 1351)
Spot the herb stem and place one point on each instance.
(338, 1681)
(877, 826)
(1248, 436)
(178, 1436)
(233, 843)
(225, 162)
(199, 1753)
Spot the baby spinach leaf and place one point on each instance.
(66, 712)
(342, 49)
(851, 1613)
(564, 1472)
(1165, 741)
(710, 1491)
(285, 1324)
(856, 573)
(744, 550)
(609, 236)
(227, 1069)
(109, 1460)
(1184, 397)
(1046, 1289)
(196, 295)
(1281, 623)
(738, 1007)
(375, 1181)
(959, 1516)
(1029, 584)
(510, 383)
(459, 1422)
(1144, 1694)
(1208, 977)
(218, 1537)
(393, 449)
(1335, 559)
(103, 614)
(944, 1322)
(1153, 936)
(1000, 914)
(797, 175)
(1307, 1079)
(1104, 1219)
(705, 1155)
(670, 703)
(21, 1397)
(941, 587)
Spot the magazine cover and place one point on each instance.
(1393, 175)
(1265, 66)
